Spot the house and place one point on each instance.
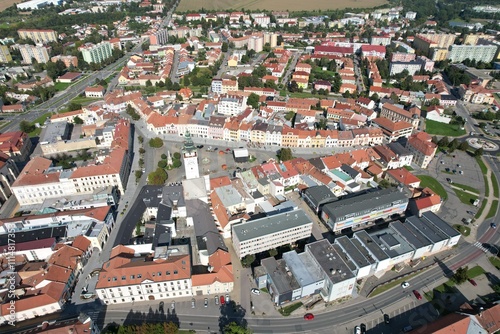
(422, 147)
(69, 77)
(425, 201)
(394, 130)
(95, 91)
(322, 84)
(403, 176)
(12, 108)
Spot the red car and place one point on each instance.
(308, 316)
(228, 149)
(471, 281)
(222, 300)
(417, 294)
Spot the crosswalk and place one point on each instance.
(480, 246)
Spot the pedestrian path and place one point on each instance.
(480, 246)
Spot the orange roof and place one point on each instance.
(81, 243)
(221, 181)
(331, 162)
(33, 173)
(49, 294)
(219, 209)
(225, 275)
(219, 259)
(404, 176)
(427, 201)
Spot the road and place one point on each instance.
(293, 62)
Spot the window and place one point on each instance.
(167, 273)
(175, 272)
(132, 276)
(139, 276)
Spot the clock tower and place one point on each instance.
(190, 157)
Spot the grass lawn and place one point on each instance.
(465, 231)
(495, 185)
(464, 197)
(442, 129)
(429, 181)
(481, 164)
(383, 288)
(495, 261)
(40, 120)
(59, 86)
(444, 171)
(481, 209)
(287, 310)
(465, 187)
(475, 272)
(408, 168)
(84, 100)
(493, 209)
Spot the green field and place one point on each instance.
(464, 197)
(466, 187)
(442, 129)
(493, 209)
(434, 185)
(60, 86)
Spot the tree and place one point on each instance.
(247, 261)
(224, 47)
(435, 139)
(162, 163)
(464, 146)
(453, 145)
(253, 100)
(77, 120)
(26, 126)
(164, 156)
(293, 87)
(285, 154)
(176, 163)
(234, 328)
(156, 142)
(444, 142)
(149, 83)
(142, 150)
(140, 139)
(460, 276)
(177, 156)
(74, 106)
(138, 174)
(158, 177)
(479, 152)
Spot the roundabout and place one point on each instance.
(485, 144)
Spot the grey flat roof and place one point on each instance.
(367, 241)
(269, 225)
(320, 194)
(229, 195)
(352, 266)
(363, 202)
(410, 234)
(357, 257)
(330, 261)
(298, 268)
(388, 236)
(363, 250)
(276, 270)
(399, 149)
(389, 240)
(440, 224)
(427, 229)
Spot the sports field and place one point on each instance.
(7, 3)
(290, 5)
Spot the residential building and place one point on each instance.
(16, 145)
(8, 174)
(67, 60)
(403, 57)
(5, 56)
(38, 35)
(428, 43)
(266, 233)
(395, 113)
(394, 130)
(484, 53)
(256, 42)
(129, 277)
(232, 105)
(360, 209)
(397, 67)
(96, 53)
(95, 92)
(422, 147)
(30, 52)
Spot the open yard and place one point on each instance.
(429, 181)
(442, 129)
(7, 3)
(192, 5)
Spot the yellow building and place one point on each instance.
(38, 35)
(5, 56)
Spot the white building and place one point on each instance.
(232, 105)
(258, 235)
(30, 52)
(190, 157)
(399, 66)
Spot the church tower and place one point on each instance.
(190, 157)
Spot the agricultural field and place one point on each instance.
(290, 5)
(7, 3)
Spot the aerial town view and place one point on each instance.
(249, 166)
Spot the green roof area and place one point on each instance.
(341, 175)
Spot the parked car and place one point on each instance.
(216, 300)
(206, 302)
(404, 285)
(363, 328)
(449, 180)
(193, 303)
(471, 281)
(387, 319)
(255, 291)
(357, 330)
(222, 301)
(227, 299)
(493, 225)
(417, 294)
(308, 316)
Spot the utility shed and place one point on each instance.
(240, 155)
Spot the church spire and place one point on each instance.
(188, 143)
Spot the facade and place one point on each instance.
(399, 66)
(96, 53)
(5, 56)
(129, 277)
(30, 52)
(395, 113)
(394, 130)
(17, 145)
(484, 53)
(422, 147)
(357, 211)
(67, 60)
(38, 35)
(95, 92)
(266, 233)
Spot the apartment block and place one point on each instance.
(67, 60)
(30, 52)
(427, 42)
(96, 53)
(5, 56)
(266, 233)
(38, 35)
(395, 113)
(422, 147)
(399, 66)
(484, 53)
(357, 211)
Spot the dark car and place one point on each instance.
(449, 180)
(493, 225)
(215, 149)
(162, 304)
(471, 281)
(308, 316)
(417, 294)
(199, 146)
(387, 319)
(363, 328)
